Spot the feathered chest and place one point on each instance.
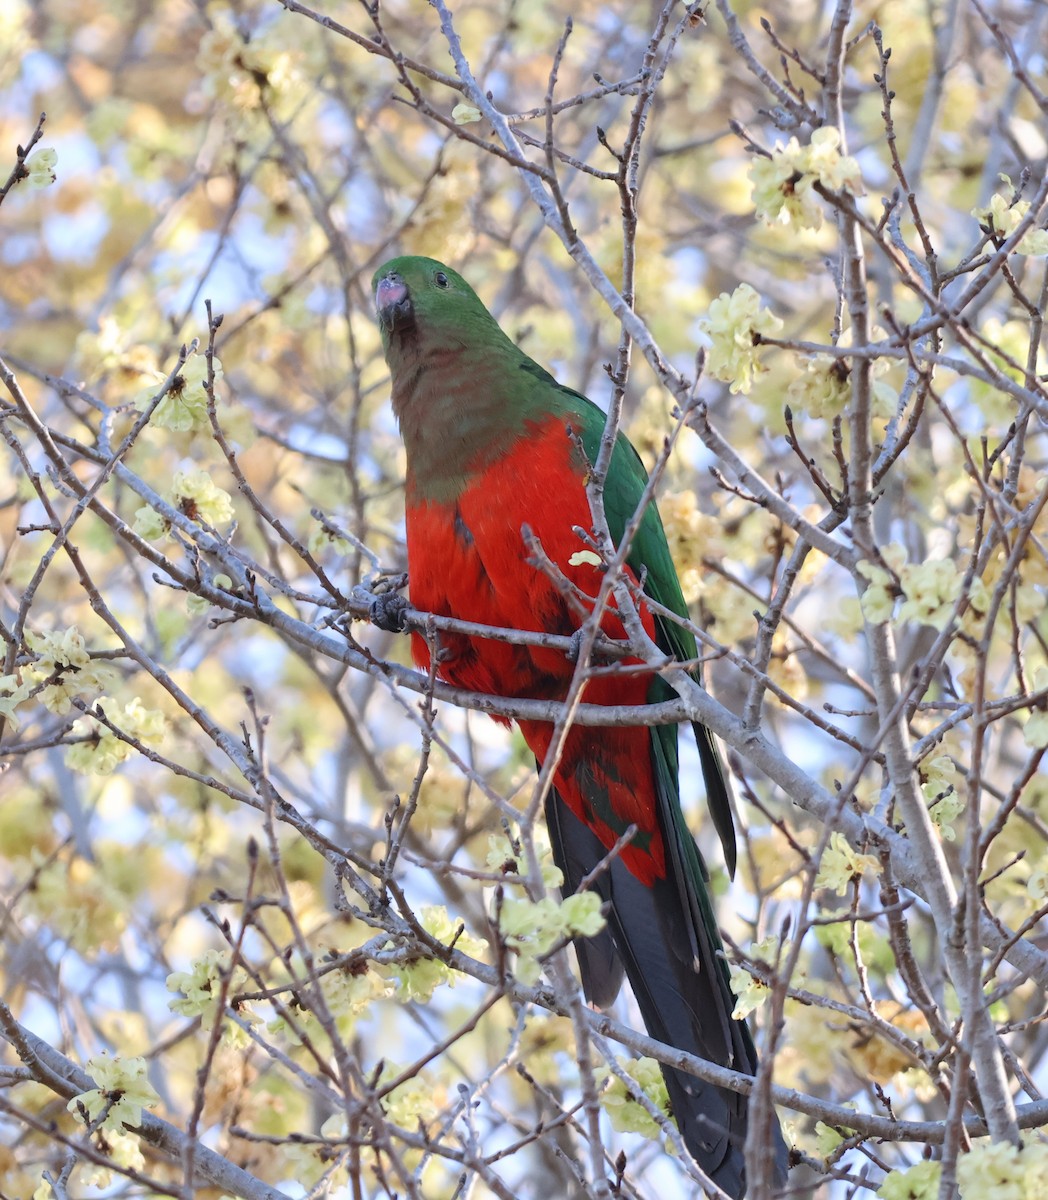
(504, 552)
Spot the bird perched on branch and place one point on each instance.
(498, 456)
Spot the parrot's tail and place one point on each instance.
(664, 938)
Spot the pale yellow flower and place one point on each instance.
(1002, 219)
(627, 1114)
(236, 69)
(201, 986)
(1035, 731)
(465, 114)
(735, 324)
(63, 660)
(200, 498)
(184, 408)
(41, 167)
(1037, 884)
(823, 389)
(878, 597)
(692, 535)
(13, 692)
(751, 992)
(104, 751)
(784, 184)
(991, 1171)
(919, 1182)
(412, 1101)
(195, 494)
(78, 901)
(121, 1083)
(532, 927)
(840, 864)
(422, 976)
(501, 852)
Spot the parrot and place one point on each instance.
(498, 454)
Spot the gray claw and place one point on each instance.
(387, 612)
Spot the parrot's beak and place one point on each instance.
(392, 302)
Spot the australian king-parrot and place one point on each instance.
(494, 443)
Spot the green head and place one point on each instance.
(421, 300)
(462, 391)
(459, 393)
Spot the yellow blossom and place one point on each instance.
(122, 1086)
(735, 324)
(150, 524)
(502, 855)
(784, 183)
(200, 604)
(828, 1138)
(878, 597)
(200, 499)
(503, 858)
(124, 1151)
(184, 408)
(1003, 1171)
(944, 812)
(879, 1058)
(1001, 219)
(581, 914)
(919, 1182)
(412, 1101)
(1035, 730)
(102, 751)
(322, 538)
(41, 167)
(420, 977)
(201, 987)
(65, 666)
(835, 171)
(349, 994)
(692, 535)
(112, 351)
(13, 692)
(751, 992)
(1037, 884)
(195, 494)
(533, 927)
(465, 114)
(625, 1112)
(237, 69)
(931, 590)
(840, 864)
(823, 389)
(26, 823)
(78, 900)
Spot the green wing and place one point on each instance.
(650, 554)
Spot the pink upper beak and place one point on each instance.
(393, 303)
(390, 291)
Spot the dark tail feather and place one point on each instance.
(717, 793)
(577, 850)
(684, 1003)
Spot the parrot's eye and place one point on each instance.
(441, 279)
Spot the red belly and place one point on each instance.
(469, 560)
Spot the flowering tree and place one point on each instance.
(277, 920)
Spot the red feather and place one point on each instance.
(463, 564)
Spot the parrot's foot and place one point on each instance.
(603, 651)
(387, 612)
